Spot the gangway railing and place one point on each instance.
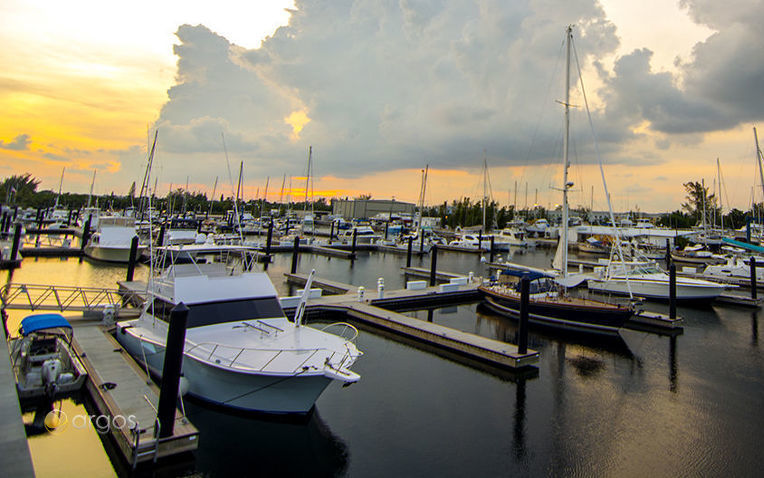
(61, 298)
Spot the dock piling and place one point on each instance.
(525, 292)
(295, 253)
(408, 252)
(754, 293)
(490, 254)
(16, 240)
(672, 291)
(85, 235)
(433, 264)
(173, 360)
(160, 239)
(269, 238)
(355, 239)
(131, 260)
(331, 233)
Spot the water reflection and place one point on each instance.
(518, 434)
(238, 445)
(673, 369)
(755, 329)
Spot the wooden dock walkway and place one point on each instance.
(120, 388)
(15, 458)
(376, 311)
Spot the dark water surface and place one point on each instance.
(645, 405)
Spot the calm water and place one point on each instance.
(645, 405)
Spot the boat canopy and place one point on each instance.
(531, 275)
(33, 323)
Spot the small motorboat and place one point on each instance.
(44, 361)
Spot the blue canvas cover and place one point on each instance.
(33, 323)
(531, 275)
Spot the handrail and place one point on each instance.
(346, 326)
(238, 351)
(61, 298)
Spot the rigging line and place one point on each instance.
(602, 171)
(537, 127)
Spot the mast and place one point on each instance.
(212, 199)
(307, 177)
(92, 183)
(485, 185)
(60, 185)
(721, 207)
(759, 158)
(565, 161)
(422, 189)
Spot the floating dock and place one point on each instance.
(15, 458)
(369, 310)
(120, 388)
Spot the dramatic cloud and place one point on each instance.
(716, 90)
(384, 85)
(20, 143)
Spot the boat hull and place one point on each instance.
(252, 392)
(657, 289)
(111, 254)
(591, 319)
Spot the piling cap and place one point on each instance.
(179, 309)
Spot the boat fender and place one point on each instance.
(183, 386)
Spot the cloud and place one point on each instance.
(716, 90)
(394, 85)
(19, 143)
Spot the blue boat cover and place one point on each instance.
(531, 275)
(744, 245)
(33, 323)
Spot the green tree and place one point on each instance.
(19, 189)
(699, 200)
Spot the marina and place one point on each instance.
(610, 361)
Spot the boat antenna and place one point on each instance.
(300, 311)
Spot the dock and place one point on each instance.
(120, 388)
(15, 459)
(373, 310)
(422, 272)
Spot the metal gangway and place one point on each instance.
(65, 298)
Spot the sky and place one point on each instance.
(381, 89)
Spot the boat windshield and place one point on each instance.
(229, 311)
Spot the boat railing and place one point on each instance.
(345, 327)
(231, 356)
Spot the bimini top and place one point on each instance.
(33, 323)
(531, 275)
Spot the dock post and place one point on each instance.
(387, 226)
(672, 291)
(269, 238)
(133, 257)
(490, 254)
(668, 251)
(331, 233)
(85, 234)
(480, 240)
(295, 253)
(160, 239)
(173, 360)
(40, 219)
(355, 238)
(525, 293)
(421, 241)
(433, 263)
(16, 240)
(408, 252)
(69, 217)
(754, 293)
(748, 230)
(286, 231)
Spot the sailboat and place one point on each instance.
(549, 304)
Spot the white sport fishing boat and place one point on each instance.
(241, 351)
(112, 240)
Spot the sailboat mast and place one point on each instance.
(92, 183)
(721, 206)
(565, 161)
(60, 185)
(485, 185)
(307, 177)
(759, 157)
(212, 198)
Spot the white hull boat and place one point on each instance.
(240, 350)
(646, 280)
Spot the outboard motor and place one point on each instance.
(51, 370)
